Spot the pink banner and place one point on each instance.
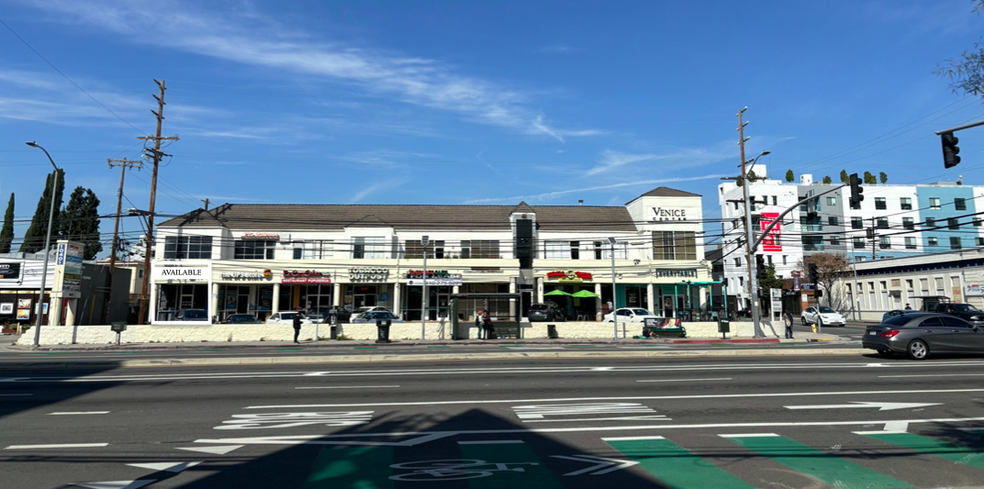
(772, 241)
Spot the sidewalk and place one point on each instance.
(6, 343)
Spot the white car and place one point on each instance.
(286, 318)
(630, 315)
(822, 316)
(372, 316)
(364, 309)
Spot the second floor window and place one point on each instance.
(882, 223)
(955, 243)
(886, 243)
(414, 248)
(931, 241)
(312, 250)
(934, 203)
(908, 223)
(960, 204)
(368, 247)
(930, 222)
(856, 223)
(254, 249)
(187, 247)
(480, 248)
(674, 245)
(831, 201)
(832, 220)
(858, 243)
(880, 203)
(906, 203)
(910, 243)
(953, 223)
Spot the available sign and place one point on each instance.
(10, 270)
(305, 277)
(771, 242)
(179, 273)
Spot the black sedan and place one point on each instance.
(242, 319)
(919, 334)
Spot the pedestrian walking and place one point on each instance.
(908, 307)
(489, 330)
(478, 324)
(787, 318)
(297, 326)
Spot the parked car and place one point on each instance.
(286, 318)
(630, 315)
(545, 312)
(340, 312)
(743, 313)
(966, 312)
(822, 316)
(372, 316)
(919, 334)
(242, 319)
(364, 309)
(191, 315)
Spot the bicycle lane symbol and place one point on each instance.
(453, 469)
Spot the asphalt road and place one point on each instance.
(844, 422)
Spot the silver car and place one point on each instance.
(919, 334)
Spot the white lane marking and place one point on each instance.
(425, 436)
(72, 413)
(167, 466)
(901, 426)
(972, 428)
(293, 420)
(882, 406)
(685, 380)
(928, 375)
(883, 432)
(213, 450)
(749, 435)
(15, 395)
(636, 398)
(63, 445)
(634, 438)
(608, 464)
(491, 442)
(602, 369)
(134, 484)
(654, 417)
(12, 379)
(353, 387)
(541, 410)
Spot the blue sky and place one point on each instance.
(451, 102)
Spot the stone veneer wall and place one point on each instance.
(100, 335)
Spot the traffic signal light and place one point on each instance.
(759, 266)
(856, 190)
(950, 150)
(814, 273)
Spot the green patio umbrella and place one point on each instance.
(556, 292)
(584, 294)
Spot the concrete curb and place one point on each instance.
(387, 358)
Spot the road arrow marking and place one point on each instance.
(882, 406)
(116, 484)
(606, 464)
(214, 450)
(166, 466)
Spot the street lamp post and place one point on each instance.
(749, 239)
(47, 243)
(423, 311)
(614, 297)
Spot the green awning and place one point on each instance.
(556, 292)
(584, 294)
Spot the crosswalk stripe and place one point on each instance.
(351, 467)
(675, 466)
(817, 464)
(954, 453)
(534, 475)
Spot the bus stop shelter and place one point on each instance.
(506, 308)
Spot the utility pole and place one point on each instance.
(123, 164)
(873, 239)
(206, 201)
(749, 240)
(156, 155)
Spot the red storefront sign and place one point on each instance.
(304, 277)
(569, 276)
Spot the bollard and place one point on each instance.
(814, 326)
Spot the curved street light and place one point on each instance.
(47, 243)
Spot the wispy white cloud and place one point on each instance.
(547, 196)
(384, 158)
(385, 185)
(243, 36)
(614, 161)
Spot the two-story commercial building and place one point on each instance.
(261, 259)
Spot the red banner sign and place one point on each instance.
(771, 242)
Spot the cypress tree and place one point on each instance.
(36, 232)
(7, 234)
(79, 221)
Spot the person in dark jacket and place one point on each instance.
(297, 326)
(787, 318)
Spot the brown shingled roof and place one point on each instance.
(664, 192)
(260, 217)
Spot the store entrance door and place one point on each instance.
(526, 300)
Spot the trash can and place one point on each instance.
(383, 330)
(334, 332)
(552, 331)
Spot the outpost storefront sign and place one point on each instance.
(361, 275)
(10, 270)
(569, 276)
(434, 277)
(265, 275)
(305, 277)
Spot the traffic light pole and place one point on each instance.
(950, 148)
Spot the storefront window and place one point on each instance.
(254, 250)
(316, 297)
(173, 297)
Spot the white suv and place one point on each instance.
(286, 318)
(822, 316)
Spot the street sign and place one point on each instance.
(118, 327)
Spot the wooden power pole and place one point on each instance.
(123, 164)
(156, 156)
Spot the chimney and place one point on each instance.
(580, 201)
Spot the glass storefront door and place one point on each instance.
(316, 297)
